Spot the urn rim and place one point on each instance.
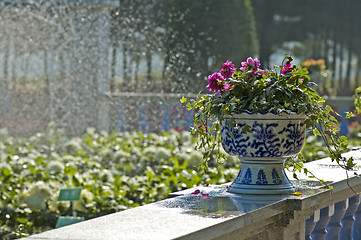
(266, 115)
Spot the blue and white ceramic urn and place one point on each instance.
(262, 152)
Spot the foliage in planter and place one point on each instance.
(284, 89)
(117, 172)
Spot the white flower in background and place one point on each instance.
(36, 197)
(86, 198)
(55, 167)
(162, 154)
(195, 159)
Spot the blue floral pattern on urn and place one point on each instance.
(268, 138)
(262, 150)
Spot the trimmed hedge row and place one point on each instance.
(117, 171)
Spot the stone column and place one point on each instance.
(320, 228)
(90, 67)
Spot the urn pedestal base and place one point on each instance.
(262, 176)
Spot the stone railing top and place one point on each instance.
(182, 217)
(330, 171)
(340, 101)
(112, 3)
(213, 212)
(134, 97)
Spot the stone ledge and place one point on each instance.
(217, 214)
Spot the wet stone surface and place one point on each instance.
(219, 204)
(215, 202)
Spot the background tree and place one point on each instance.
(193, 38)
(137, 30)
(200, 37)
(325, 29)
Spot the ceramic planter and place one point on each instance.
(262, 151)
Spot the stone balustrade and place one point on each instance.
(144, 111)
(163, 111)
(213, 213)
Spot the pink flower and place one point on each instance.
(217, 83)
(262, 73)
(197, 191)
(227, 69)
(243, 66)
(250, 64)
(287, 68)
(203, 193)
(226, 86)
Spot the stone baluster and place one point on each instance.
(348, 220)
(344, 129)
(310, 224)
(121, 123)
(165, 117)
(189, 120)
(334, 226)
(356, 230)
(143, 124)
(319, 233)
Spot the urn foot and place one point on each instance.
(268, 177)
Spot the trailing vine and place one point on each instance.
(283, 89)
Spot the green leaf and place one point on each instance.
(183, 99)
(316, 132)
(349, 115)
(246, 129)
(22, 220)
(6, 172)
(329, 109)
